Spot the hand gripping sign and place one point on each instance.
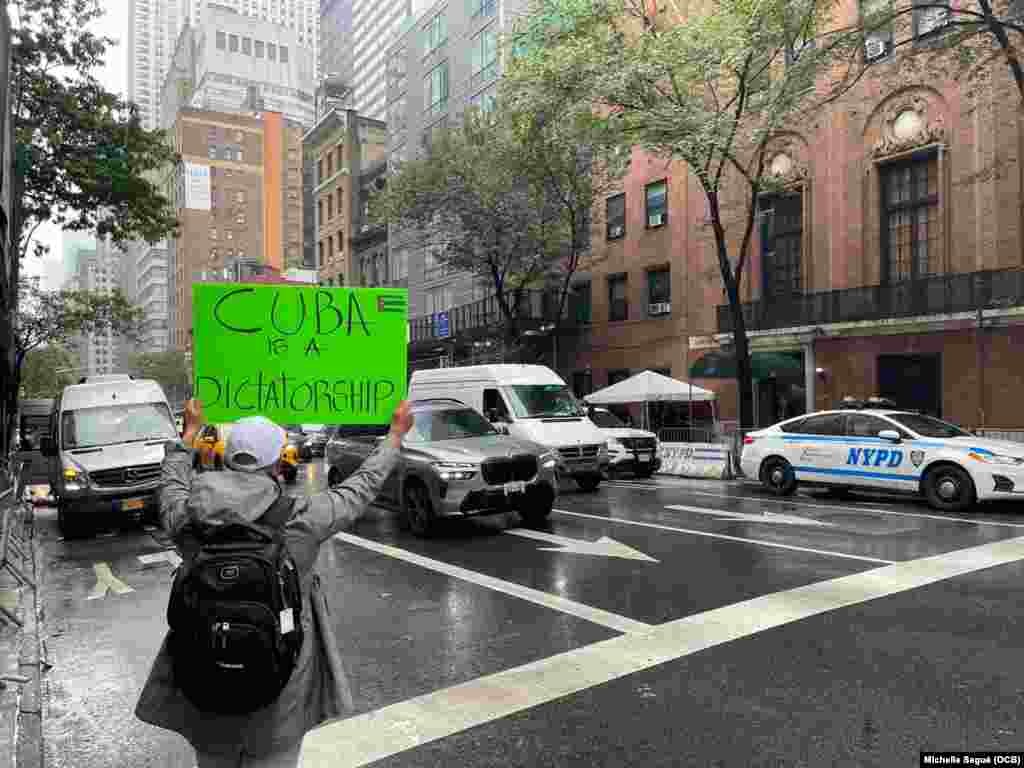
(299, 354)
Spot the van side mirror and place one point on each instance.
(48, 446)
(891, 435)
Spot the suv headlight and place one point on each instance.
(547, 460)
(614, 445)
(455, 470)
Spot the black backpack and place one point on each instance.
(235, 613)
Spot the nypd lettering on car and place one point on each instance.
(885, 449)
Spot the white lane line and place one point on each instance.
(944, 518)
(382, 733)
(759, 542)
(579, 610)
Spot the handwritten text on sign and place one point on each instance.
(299, 354)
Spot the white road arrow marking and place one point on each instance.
(604, 546)
(168, 555)
(106, 581)
(762, 517)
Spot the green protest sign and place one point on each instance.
(299, 354)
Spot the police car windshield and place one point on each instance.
(926, 426)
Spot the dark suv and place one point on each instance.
(454, 464)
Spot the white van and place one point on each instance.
(530, 402)
(106, 451)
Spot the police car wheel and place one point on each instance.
(778, 476)
(949, 488)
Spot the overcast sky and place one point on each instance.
(114, 24)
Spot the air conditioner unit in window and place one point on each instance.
(655, 219)
(659, 308)
(933, 20)
(617, 231)
(874, 49)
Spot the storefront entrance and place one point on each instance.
(912, 381)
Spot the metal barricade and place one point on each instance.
(15, 537)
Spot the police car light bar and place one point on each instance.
(853, 403)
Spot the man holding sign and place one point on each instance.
(251, 722)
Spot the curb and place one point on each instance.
(31, 665)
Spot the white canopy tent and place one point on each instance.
(650, 387)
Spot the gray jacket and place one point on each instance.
(314, 693)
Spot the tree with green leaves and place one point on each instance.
(46, 371)
(505, 197)
(54, 318)
(84, 157)
(170, 369)
(711, 90)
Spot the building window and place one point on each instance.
(330, 164)
(486, 101)
(616, 216)
(437, 33)
(284, 54)
(222, 40)
(656, 203)
(580, 303)
(396, 115)
(877, 18)
(213, 233)
(337, 157)
(259, 49)
(396, 70)
(247, 46)
(240, 218)
(320, 211)
(437, 89)
(321, 249)
(659, 292)
(340, 197)
(240, 196)
(483, 8)
(320, 169)
(618, 304)
(232, 43)
(910, 219)
(271, 52)
(330, 250)
(399, 265)
(341, 243)
(484, 58)
(782, 235)
(330, 207)
(930, 20)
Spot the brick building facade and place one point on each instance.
(893, 265)
(253, 211)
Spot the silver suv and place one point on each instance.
(453, 464)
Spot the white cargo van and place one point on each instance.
(530, 402)
(106, 450)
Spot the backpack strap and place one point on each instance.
(280, 512)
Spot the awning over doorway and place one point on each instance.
(722, 365)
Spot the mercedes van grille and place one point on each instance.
(122, 476)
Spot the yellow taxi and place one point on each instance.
(209, 447)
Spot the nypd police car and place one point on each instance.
(877, 448)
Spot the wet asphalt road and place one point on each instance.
(870, 682)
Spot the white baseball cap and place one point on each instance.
(254, 444)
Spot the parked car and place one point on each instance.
(629, 450)
(209, 452)
(454, 464)
(887, 449)
(316, 444)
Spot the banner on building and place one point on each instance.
(299, 354)
(196, 179)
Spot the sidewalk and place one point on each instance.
(20, 703)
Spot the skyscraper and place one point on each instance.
(153, 27)
(375, 23)
(335, 59)
(300, 16)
